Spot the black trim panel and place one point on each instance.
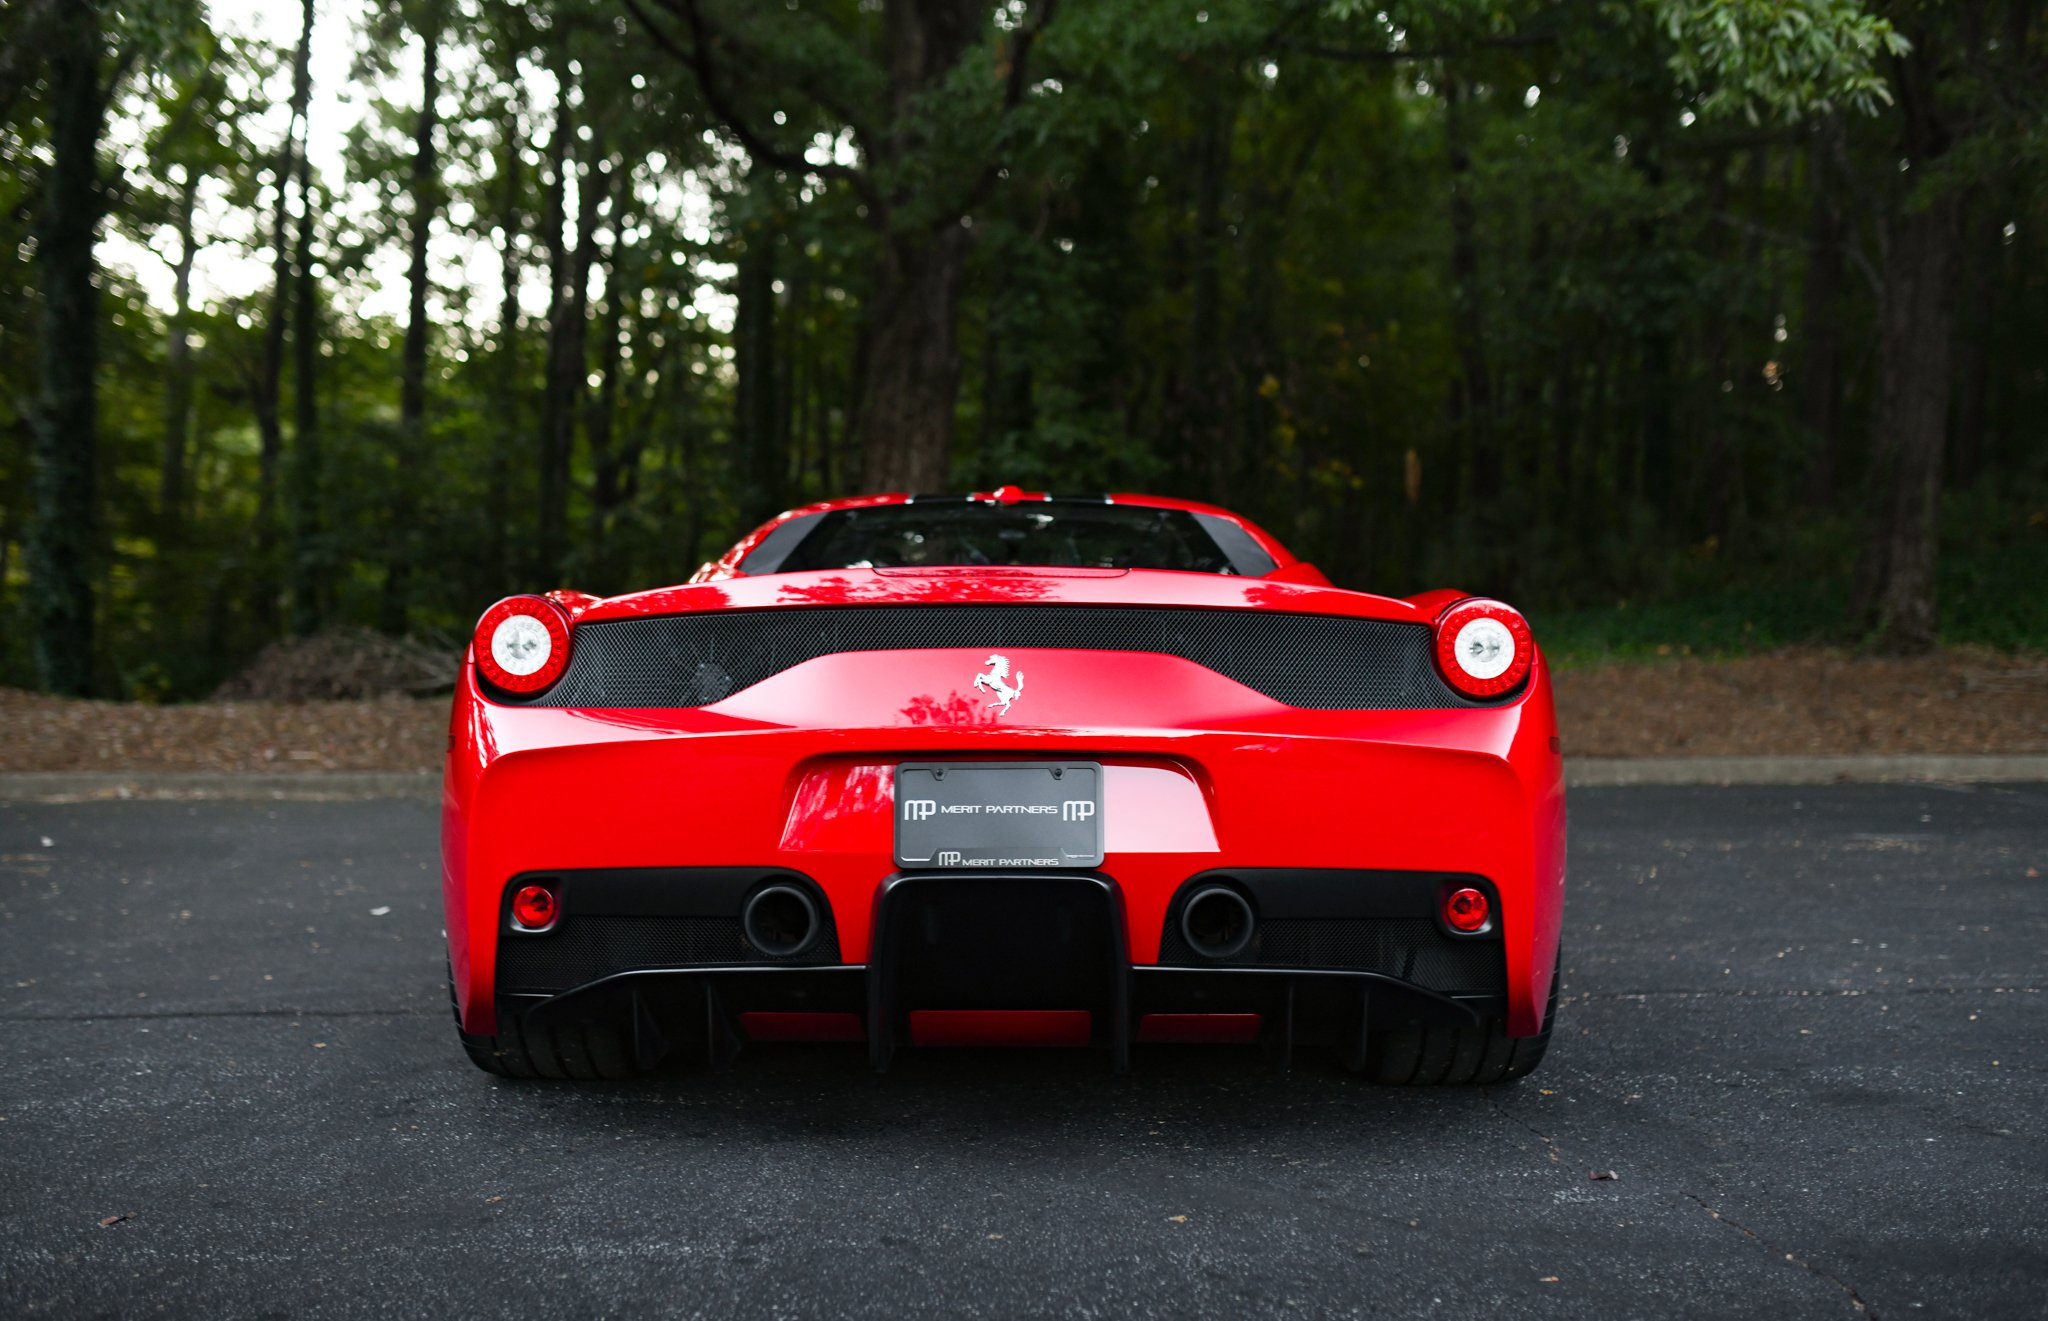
(1318, 662)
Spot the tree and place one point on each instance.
(1953, 109)
(1571, 303)
(425, 185)
(757, 433)
(307, 579)
(62, 536)
(267, 387)
(930, 157)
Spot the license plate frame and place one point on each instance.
(1047, 815)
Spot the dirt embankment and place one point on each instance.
(1805, 703)
(58, 734)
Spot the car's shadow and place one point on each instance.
(1224, 1097)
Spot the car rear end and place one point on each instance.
(1079, 806)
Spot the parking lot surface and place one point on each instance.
(1803, 1030)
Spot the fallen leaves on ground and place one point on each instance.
(344, 664)
(1807, 703)
(63, 734)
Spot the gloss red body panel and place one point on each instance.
(1201, 773)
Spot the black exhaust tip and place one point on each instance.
(1217, 923)
(781, 921)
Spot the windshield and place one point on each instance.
(1050, 534)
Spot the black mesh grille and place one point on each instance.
(586, 948)
(1322, 662)
(1411, 948)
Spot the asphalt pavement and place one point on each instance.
(1803, 1028)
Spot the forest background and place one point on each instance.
(1696, 327)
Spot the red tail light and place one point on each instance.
(522, 644)
(1467, 910)
(1483, 648)
(534, 908)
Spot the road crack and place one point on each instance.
(1550, 1144)
(1855, 1299)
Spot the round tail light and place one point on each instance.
(1483, 648)
(1467, 910)
(522, 644)
(534, 908)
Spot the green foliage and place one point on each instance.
(1994, 560)
(1776, 59)
(1529, 299)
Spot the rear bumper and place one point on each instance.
(985, 957)
(1258, 786)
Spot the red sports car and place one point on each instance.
(1004, 768)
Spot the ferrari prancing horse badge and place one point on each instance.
(997, 681)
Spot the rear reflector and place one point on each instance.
(534, 907)
(1000, 1027)
(1467, 910)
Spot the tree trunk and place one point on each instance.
(1895, 582)
(177, 441)
(1981, 258)
(402, 545)
(1532, 479)
(911, 387)
(799, 384)
(1008, 404)
(1561, 491)
(307, 568)
(1472, 397)
(555, 421)
(758, 454)
(1721, 410)
(913, 377)
(602, 422)
(1915, 335)
(593, 206)
(689, 487)
(1203, 422)
(656, 394)
(1646, 474)
(823, 387)
(268, 390)
(498, 490)
(568, 358)
(1820, 334)
(62, 534)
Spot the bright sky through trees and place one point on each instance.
(232, 265)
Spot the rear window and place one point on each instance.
(1046, 534)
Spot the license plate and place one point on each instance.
(999, 815)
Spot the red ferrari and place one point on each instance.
(1004, 768)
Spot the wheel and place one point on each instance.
(584, 1049)
(1446, 1055)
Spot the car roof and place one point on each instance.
(727, 565)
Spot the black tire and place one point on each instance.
(583, 1049)
(1450, 1055)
